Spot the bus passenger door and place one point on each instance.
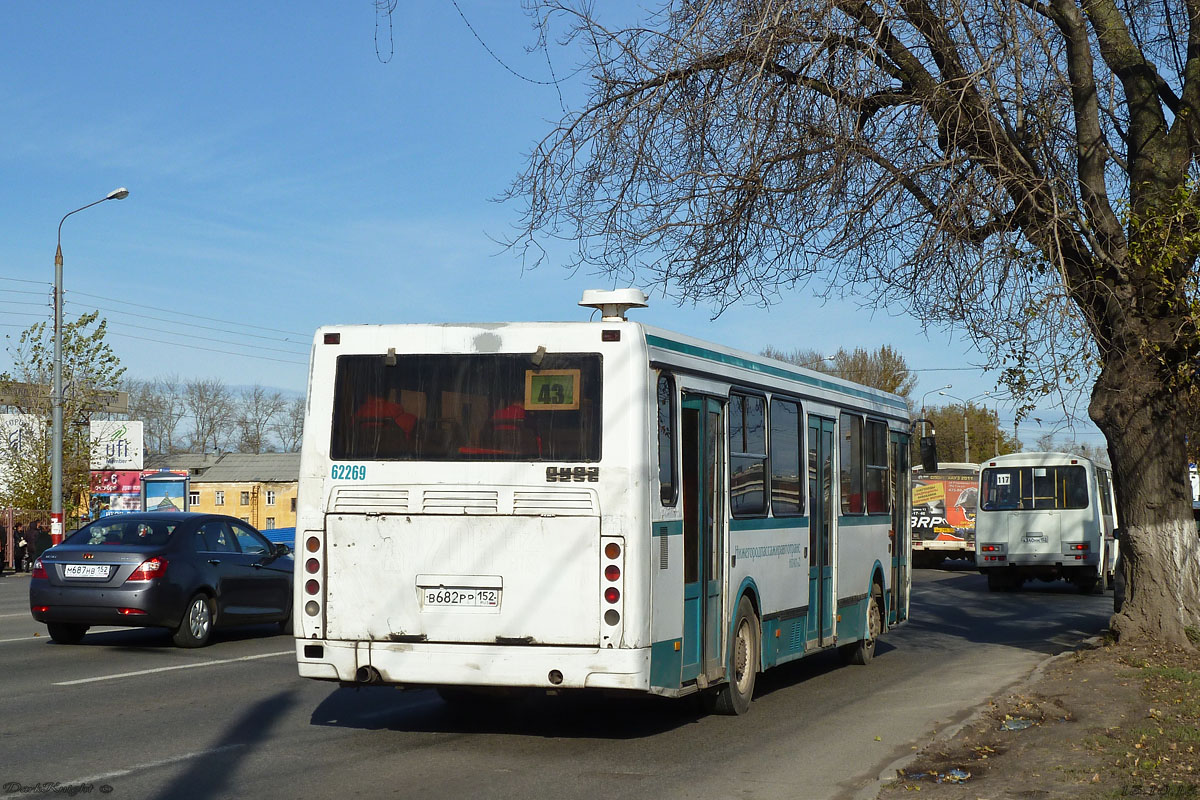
(702, 437)
(820, 531)
(901, 531)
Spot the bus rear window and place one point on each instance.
(499, 407)
(1029, 488)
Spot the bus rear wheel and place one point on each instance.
(734, 697)
(862, 651)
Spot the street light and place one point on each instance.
(924, 424)
(966, 439)
(56, 399)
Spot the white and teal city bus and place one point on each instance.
(591, 505)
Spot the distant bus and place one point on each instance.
(943, 518)
(590, 505)
(1047, 516)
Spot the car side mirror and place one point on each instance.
(282, 549)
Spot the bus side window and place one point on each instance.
(666, 440)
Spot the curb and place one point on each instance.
(889, 774)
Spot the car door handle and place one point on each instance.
(214, 561)
(258, 566)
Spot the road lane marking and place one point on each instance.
(211, 663)
(22, 614)
(41, 637)
(162, 762)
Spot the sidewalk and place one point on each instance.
(1104, 721)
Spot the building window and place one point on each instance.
(219, 498)
(193, 498)
(245, 498)
(747, 455)
(270, 497)
(293, 505)
(244, 519)
(270, 523)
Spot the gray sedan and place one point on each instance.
(187, 572)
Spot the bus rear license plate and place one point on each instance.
(446, 597)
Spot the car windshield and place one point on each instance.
(147, 533)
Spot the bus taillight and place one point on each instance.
(612, 567)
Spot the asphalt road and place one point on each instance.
(131, 716)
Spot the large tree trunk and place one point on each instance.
(1160, 549)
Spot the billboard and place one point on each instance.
(943, 506)
(115, 492)
(116, 445)
(165, 490)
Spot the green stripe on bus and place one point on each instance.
(767, 523)
(668, 528)
(767, 369)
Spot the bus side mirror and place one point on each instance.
(929, 458)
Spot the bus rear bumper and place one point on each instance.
(405, 664)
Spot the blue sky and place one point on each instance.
(283, 177)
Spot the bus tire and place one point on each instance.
(862, 651)
(1086, 584)
(734, 697)
(998, 581)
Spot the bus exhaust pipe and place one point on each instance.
(368, 675)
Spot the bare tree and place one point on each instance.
(256, 410)
(289, 425)
(1023, 169)
(1050, 443)
(210, 405)
(158, 403)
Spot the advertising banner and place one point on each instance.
(165, 490)
(944, 505)
(116, 445)
(115, 492)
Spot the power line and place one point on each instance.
(191, 325)
(209, 349)
(205, 338)
(193, 316)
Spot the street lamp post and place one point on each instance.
(966, 437)
(56, 398)
(924, 424)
